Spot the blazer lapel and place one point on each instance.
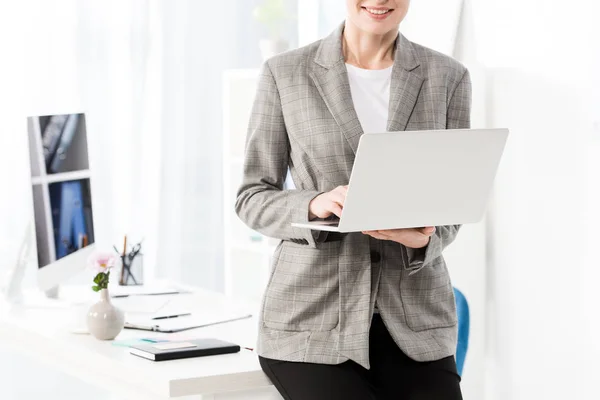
(331, 79)
(406, 85)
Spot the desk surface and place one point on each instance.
(43, 332)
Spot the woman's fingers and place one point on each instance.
(336, 209)
(385, 235)
(338, 198)
(410, 235)
(388, 234)
(376, 235)
(411, 232)
(342, 189)
(428, 230)
(328, 203)
(413, 237)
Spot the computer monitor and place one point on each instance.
(62, 198)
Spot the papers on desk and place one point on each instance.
(142, 304)
(124, 291)
(146, 299)
(179, 324)
(147, 309)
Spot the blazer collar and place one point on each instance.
(331, 79)
(330, 53)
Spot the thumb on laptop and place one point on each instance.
(428, 230)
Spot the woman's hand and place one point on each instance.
(326, 204)
(415, 238)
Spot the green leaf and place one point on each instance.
(102, 279)
(95, 288)
(98, 277)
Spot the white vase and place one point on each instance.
(104, 320)
(271, 47)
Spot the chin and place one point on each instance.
(378, 29)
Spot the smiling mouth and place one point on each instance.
(377, 11)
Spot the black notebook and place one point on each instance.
(191, 348)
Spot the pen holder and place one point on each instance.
(132, 270)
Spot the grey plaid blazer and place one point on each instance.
(322, 290)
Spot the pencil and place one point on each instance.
(123, 260)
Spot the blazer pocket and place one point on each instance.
(303, 292)
(428, 298)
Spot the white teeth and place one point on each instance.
(376, 12)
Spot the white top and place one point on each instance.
(370, 90)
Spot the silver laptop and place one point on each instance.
(419, 178)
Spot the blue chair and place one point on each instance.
(462, 310)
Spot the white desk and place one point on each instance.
(43, 334)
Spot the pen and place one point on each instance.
(122, 280)
(144, 294)
(172, 316)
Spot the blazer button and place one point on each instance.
(375, 257)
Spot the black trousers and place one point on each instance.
(393, 375)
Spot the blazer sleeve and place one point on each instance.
(458, 116)
(261, 203)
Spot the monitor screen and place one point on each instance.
(60, 181)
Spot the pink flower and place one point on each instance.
(102, 261)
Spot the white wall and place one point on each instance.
(538, 261)
(544, 221)
(534, 68)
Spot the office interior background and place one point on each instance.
(166, 87)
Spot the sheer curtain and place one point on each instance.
(148, 75)
(94, 57)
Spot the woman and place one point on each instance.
(366, 315)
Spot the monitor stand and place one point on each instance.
(52, 293)
(13, 292)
